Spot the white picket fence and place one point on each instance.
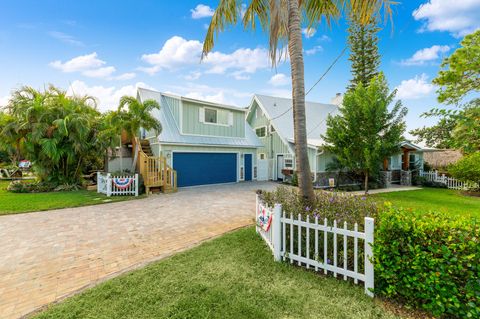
(109, 185)
(450, 182)
(273, 224)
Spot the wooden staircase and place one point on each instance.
(156, 173)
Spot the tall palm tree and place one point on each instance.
(281, 19)
(138, 115)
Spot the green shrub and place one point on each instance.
(431, 261)
(427, 183)
(29, 187)
(467, 169)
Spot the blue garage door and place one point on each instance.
(205, 168)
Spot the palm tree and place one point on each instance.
(138, 115)
(282, 20)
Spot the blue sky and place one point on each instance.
(108, 48)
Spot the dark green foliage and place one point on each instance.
(366, 132)
(430, 261)
(29, 187)
(467, 169)
(364, 56)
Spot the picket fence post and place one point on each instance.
(257, 201)
(369, 272)
(276, 229)
(109, 185)
(136, 184)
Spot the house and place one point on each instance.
(272, 119)
(203, 142)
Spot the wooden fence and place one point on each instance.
(450, 182)
(315, 245)
(117, 185)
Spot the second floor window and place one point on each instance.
(261, 131)
(210, 116)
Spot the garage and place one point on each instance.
(204, 168)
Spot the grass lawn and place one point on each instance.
(233, 276)
(14, 203)
(435, 199)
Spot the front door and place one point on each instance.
(280, 166)
(248, 166)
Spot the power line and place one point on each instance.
(318, 81)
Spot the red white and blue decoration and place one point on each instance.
(264, 217)
(122, 182)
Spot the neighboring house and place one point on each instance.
(441, 158)
(272, 119)
(205, 143)
(409, 158)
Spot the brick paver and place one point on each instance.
(46, 256)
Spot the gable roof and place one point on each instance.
(279, 111)
(171, 133)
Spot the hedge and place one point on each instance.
(430, 261)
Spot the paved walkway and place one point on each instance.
(391, 189)
(46, 256)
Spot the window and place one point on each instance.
(261, 156)
(288, 163)
(261, 131)
(272, 129)
(210, 116)
(412, 161)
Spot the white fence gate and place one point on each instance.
(262, 170)
(450, 182)
(117, 185)
(273, 224)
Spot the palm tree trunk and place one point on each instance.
(295, 50)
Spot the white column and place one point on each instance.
(257, 201)
(136, 184)
(276, 229)
(369, 272)
(109, 185)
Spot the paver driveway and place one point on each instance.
(46, 256)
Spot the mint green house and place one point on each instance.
(205, 143)
(272, 120)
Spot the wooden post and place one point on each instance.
(276, 229)
(369, 271)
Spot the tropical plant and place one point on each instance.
(11, 141)
(281, 19)
(58, 132)
(365, 132)
(364, 56)
(467, 169)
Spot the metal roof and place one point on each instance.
(279, 111)
(171, 133)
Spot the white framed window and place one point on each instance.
(272, 129)
(261, 131)
(214, 116)
(211, 116)
(288, 163)
(262, 156)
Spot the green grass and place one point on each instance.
(435, 199)
(14, 203)
(233, 276)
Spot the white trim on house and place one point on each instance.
(260, 127)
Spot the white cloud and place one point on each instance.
(107, 97)
(178, 52)
(213, 94)
(175, 53)
(79, 63)
(100, 72)
(125, 76)
(90, 66)
(314, 50)
(454, 16)
(4, 100)
(324, 38)
(66, 38)
(195, 75)
(415, 88)
(309, 32)
(426, 55)
(279, 79)
(202, 11)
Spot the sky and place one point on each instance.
(109, 48)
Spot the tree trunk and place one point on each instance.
(366, 182)
(295, 50)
